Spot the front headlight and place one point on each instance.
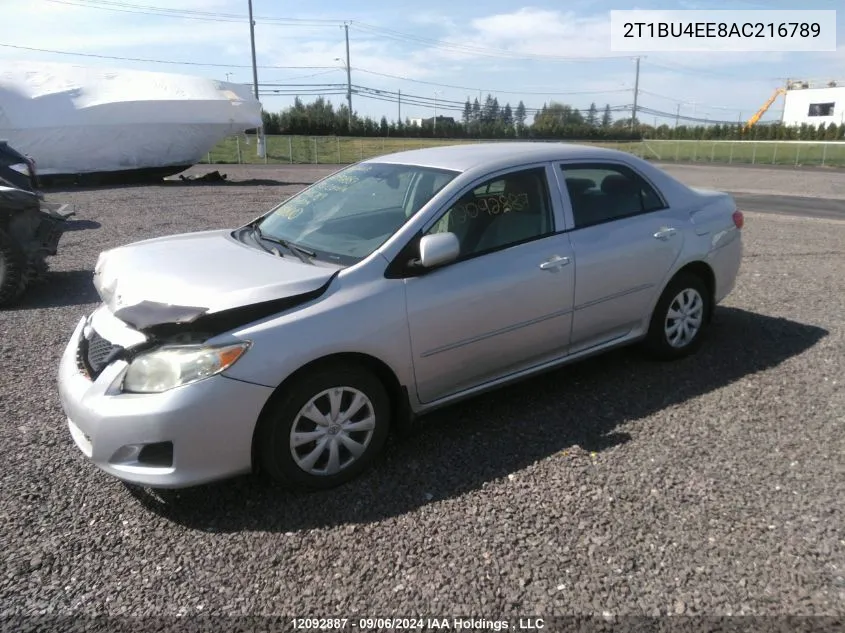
(176, 365)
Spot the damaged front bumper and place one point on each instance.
(183, 437)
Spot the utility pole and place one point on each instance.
(348, 77)
(400, 107)
(677, 115)
(435, 113)
(260, 131)
(636, 93)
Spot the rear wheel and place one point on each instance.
(326, 429)
(679, 319)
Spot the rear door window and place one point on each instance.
(601, 192)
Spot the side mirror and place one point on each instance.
(438, 249)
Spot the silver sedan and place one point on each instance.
(293, 345)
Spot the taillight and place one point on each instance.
(739, 219)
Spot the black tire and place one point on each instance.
(276, 424)
(657, 343)
(13, 268)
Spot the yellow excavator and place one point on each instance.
(753, 120)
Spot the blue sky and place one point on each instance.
(536, 50)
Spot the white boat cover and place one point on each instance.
(75, 119)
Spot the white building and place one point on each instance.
(812, 104)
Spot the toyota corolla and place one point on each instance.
(293, 345)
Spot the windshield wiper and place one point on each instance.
(304, 254)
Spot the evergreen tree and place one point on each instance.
(467, 112)
(520, 115)
(606, 118)
(476, 110)
(592, 115)
(491, 109)
(507, 115)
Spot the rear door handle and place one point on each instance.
(665, 233)
(554, 263)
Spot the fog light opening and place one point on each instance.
(159, 455)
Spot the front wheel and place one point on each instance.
(326, 429)
(679, 319)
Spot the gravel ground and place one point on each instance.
(714, 485)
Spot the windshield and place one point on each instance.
(348, 215)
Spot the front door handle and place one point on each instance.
(554, 263)
(665, 233)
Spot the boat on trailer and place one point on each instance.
(87, 125)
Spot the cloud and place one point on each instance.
(426, 18)
(215, 33)
(532, 32)
(545, 33)
(81, 29)
(373, 55)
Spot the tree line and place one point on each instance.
(490, 120)
(760, 132)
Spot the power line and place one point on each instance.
(127, 9)
(685, 101)
(489, 90)
(161, 61)
(445, 104)
(678, 68)
(386, 96)
(322, 72)
(143, 9)
(675, 116)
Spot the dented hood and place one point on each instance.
(179, 278)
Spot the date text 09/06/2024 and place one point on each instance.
(698, 30)
(421, 623)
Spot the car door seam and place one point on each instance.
(590, 304)
(486, 335)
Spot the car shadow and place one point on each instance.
(58, 288)
(81, 225)
(250, 182)
(582, 407)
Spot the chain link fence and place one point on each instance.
(337, 150)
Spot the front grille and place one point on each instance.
(95, 353)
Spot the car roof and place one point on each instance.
(499, 154)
